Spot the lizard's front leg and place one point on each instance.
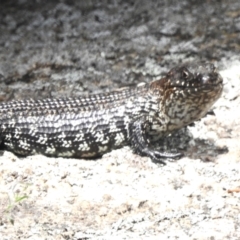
(141, 144)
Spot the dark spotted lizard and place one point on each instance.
(90, 126)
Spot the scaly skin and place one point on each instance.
(91, 126)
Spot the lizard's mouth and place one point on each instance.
(205, 87)
(203, 82)
(210, 89)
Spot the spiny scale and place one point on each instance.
(90, 126)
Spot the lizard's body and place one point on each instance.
(90, 126)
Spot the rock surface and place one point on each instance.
(71, 48)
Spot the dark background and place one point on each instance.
(62, 48)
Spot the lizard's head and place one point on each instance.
(193, 77)
(189, 90)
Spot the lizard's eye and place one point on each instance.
(185, 74)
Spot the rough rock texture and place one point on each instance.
(71, 48)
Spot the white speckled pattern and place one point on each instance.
(90, 126)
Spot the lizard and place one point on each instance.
(89, 126)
